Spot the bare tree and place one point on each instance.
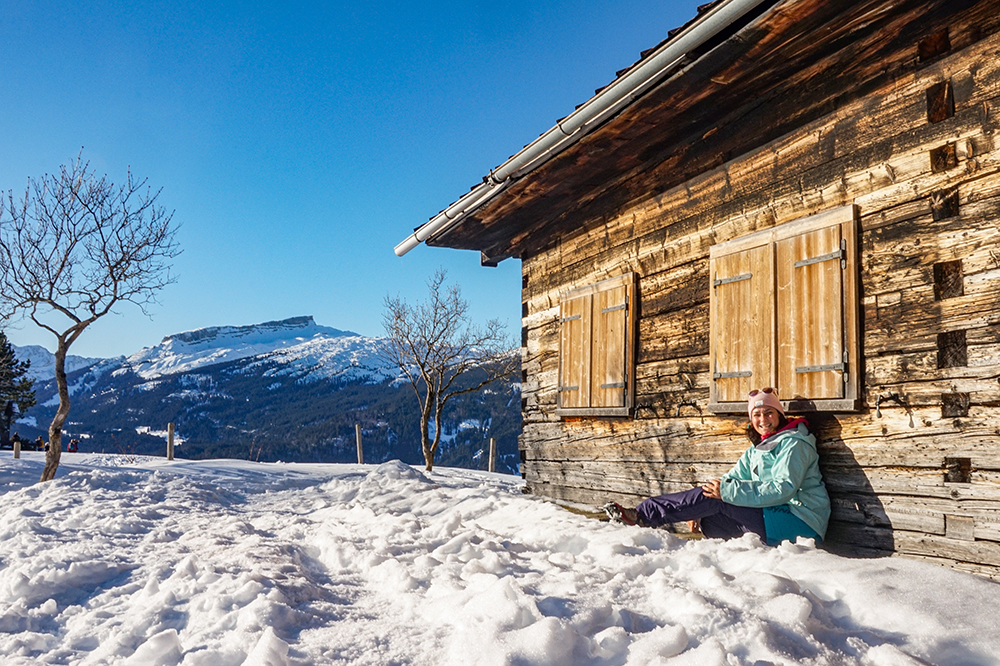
(73, 248)
(434, 344)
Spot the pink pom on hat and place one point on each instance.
(765, 397)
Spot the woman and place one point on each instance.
(775, 489)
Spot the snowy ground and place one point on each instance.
(225, 562)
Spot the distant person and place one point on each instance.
(775, 490)
(74, 445)
(15, 440)
(40, 444)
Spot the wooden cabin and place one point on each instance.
(802, 194)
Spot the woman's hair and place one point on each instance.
(755, 437)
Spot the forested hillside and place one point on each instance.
(227, 411)
(296, 400)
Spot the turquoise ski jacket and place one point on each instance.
(782, 472)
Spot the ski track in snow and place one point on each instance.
(219, 563)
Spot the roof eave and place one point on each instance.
(604, 105)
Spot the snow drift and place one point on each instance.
(225, 562)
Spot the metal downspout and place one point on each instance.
(575, 126)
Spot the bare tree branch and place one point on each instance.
(73, 248)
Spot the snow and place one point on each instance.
(220, 563)
(43, 362)
(346, 357)
(85, 381)
(164, 434)
(298, 341)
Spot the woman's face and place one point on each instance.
(764, 420)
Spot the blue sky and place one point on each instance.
(299, 142)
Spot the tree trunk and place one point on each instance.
(438, 426)
(425, 445)
(55, 429)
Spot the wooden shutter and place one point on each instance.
(812, 358)
(596, 348)
(609, 378)
(575, 352)
(785, 313)
(742, 322)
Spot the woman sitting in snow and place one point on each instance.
(775, 489)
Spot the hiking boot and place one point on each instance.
(622, 514)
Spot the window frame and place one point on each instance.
(846, 218)
(618, 342)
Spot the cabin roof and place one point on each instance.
(735, 77)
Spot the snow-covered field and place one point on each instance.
(225, 562)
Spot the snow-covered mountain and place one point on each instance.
(281, 390)
(43, 362)
(299, 345)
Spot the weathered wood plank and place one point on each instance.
(909, 152)
(914, 481)
(981, 552)
(916, 514)
(648, 478)
(916, 374)
(923, 320)
(674, 335)
(984, 570)
(901, 256)
(874, 441)
(679, 288)
(672, 387)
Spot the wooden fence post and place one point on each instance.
(170, 441)
(357, 434)
(493, 454)
(17, 449)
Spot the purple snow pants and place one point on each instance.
(718, 519)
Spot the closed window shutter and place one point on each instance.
(812, 357)
(785, 313)
(742, 307)
(609, 379)
(575, 352)
(596, 348)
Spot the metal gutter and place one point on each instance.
(612, 99)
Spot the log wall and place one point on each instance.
(917, 472)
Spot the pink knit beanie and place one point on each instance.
(764, 398)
